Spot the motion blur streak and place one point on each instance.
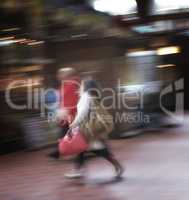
(133, 57)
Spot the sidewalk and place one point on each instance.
(156, 168)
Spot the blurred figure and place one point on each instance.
(69, 96)
(87, 107)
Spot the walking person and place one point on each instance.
(69, 96)
(95, 123)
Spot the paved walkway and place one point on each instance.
(157, 168)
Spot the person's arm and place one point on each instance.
(83, 110)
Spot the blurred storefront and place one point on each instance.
(142, 47)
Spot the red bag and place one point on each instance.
(73, 143)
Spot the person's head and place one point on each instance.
(66, 73)
(91, 87)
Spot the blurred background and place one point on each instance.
(142, 43)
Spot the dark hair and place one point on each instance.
(92, 88)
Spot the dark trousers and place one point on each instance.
(64, 130)
(103, 153)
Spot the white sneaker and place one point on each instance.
(74, 174)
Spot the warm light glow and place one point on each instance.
(35, 81)
(168, 50)
(141, 53)
(11, 29)
(25, 69)
(115, 7)
(166, 65)
(20, 40)
(36, 43)
(7, 38)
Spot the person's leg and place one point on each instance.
(80, 160)
(79, 163)
(55, 153)
(105, 153)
